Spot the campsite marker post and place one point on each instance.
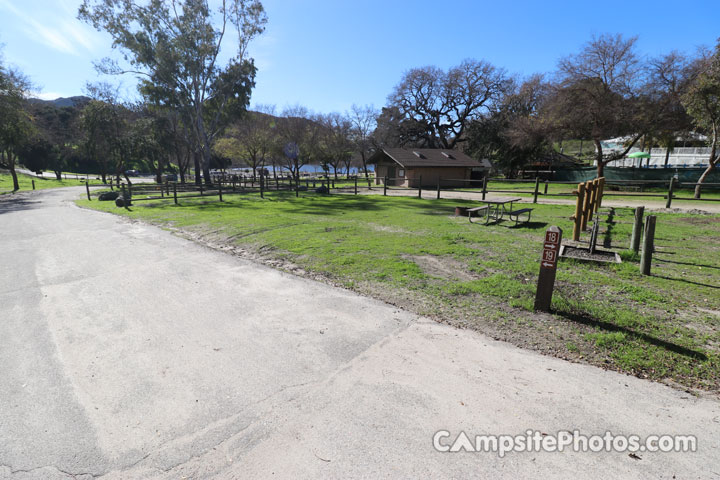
(548, 267)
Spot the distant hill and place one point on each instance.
(63, 102)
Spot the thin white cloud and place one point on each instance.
(65, 37)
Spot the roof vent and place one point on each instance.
(419, 155)
(448, 155)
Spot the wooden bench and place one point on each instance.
(515, 215)
(477, 211)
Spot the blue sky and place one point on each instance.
(327, 55)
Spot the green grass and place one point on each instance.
(413, 253)
(25, 181)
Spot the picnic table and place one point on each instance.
(495, 208)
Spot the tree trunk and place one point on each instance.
(158, 172)
(713, 161)
(667, 155)
(196, 160)
(58, 175)
(11, 165)
(599, 158)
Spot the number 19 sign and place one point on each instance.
(548, 265)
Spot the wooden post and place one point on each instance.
(637, 229)
(355, 184)
(438, 189)
(385, 186)
(420, 187)
(548, 267)
(577, 226)
(648, 244)
(547, 182)
(175, 192)
(262, 185)
(586, 205)
(484, 190)
(670, 192)
(599, 193)
(537, 185)
(33, 184)
(87, 188)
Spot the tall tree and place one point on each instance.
(702, 101)
(440, 104)
(513, 133)
(15, 125)
(598, 96)
(175, 46)
(668, 81)
(363, 123)
(251, 139)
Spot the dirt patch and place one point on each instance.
(443, 267)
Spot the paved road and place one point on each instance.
(127, 352)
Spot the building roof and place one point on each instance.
(428, 157)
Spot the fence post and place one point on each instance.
(87, 188)
(586, 205)
(637, 229)
(175, 192)
(438, 189)
(599, 194)
(484, 190)
(537, 185)
(33, 183)
(577, 225)
(355, 184)
(420, 187)
(648, 244)
(670, 192)
(547, 182)
(385, 186)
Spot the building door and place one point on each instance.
(391, 173)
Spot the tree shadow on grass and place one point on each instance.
(593, 322)
(685, 280)
(684, 263)
(528, 226)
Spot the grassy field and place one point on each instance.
(415, 254)
(25, 181)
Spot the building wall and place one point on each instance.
(451, 176)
